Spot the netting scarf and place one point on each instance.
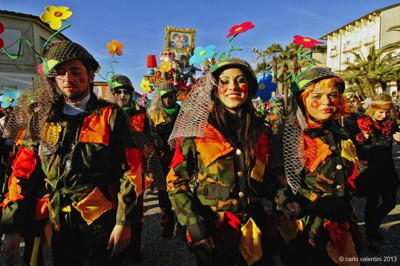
(193, 115)
(36, 100)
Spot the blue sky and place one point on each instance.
(140, 25)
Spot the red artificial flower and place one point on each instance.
(245, 26)
(2, 28)
(387, 127)
(305, 41)
(365, 124)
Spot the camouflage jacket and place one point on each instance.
(82, 160)
(327, 181)
(222, 181)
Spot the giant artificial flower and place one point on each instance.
(165, 66)
(1, 31)
(143, 100)
(201, 53)
(145, 85)
(265, 88)
(54, 15)
(245, 26)
(9, 98)
(115, 47)
(305, 41)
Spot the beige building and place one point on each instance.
(16, 74)
(360, 34)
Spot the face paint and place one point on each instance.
(232, 89)
(335, 102)
(314, 104)
(243, 87)
(323, 103)
(221, 88)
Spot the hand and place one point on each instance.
(10, 248)
(291, 210)
(396, 136)
(207, 243)
(119, 239)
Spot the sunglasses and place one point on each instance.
(122, 92)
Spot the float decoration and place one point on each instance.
(2, 28)
(55, 16)
(206, 56)
(9, 98)
(265, 88)
(114, 48)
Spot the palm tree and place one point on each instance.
(268, 59)
(372, 71)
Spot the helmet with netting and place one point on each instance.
(59, 52)
(315, 74)
(120, 81)
(166, 87)
(230, 62)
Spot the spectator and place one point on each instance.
(375, 142)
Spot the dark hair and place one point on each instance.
(240, 130)
(253, 84)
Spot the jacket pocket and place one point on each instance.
(94, 205)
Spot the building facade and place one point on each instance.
(359, 35)
(22, 30)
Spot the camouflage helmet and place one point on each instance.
(59, 52)
(230, 62)
(120, 81)
(165, 88)
(316, 74)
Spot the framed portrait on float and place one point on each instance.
(179, 39)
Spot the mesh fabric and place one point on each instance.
(193, 115)
(293, 145)
(118, 81)
(36, 100)
(59, 52)
(314, 74)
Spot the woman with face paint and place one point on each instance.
(315, 202)
(375, 143)
(218, 183)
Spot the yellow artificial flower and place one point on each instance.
(349, 150)
(115, 47)
(145, 85)
(165, 66)
(54, 15)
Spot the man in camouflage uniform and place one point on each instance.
(163, 112)
(122, 90)
(81, 149)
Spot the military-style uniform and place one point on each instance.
(326, 220)
(210, 187)
(82, 158)
(162, 124)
